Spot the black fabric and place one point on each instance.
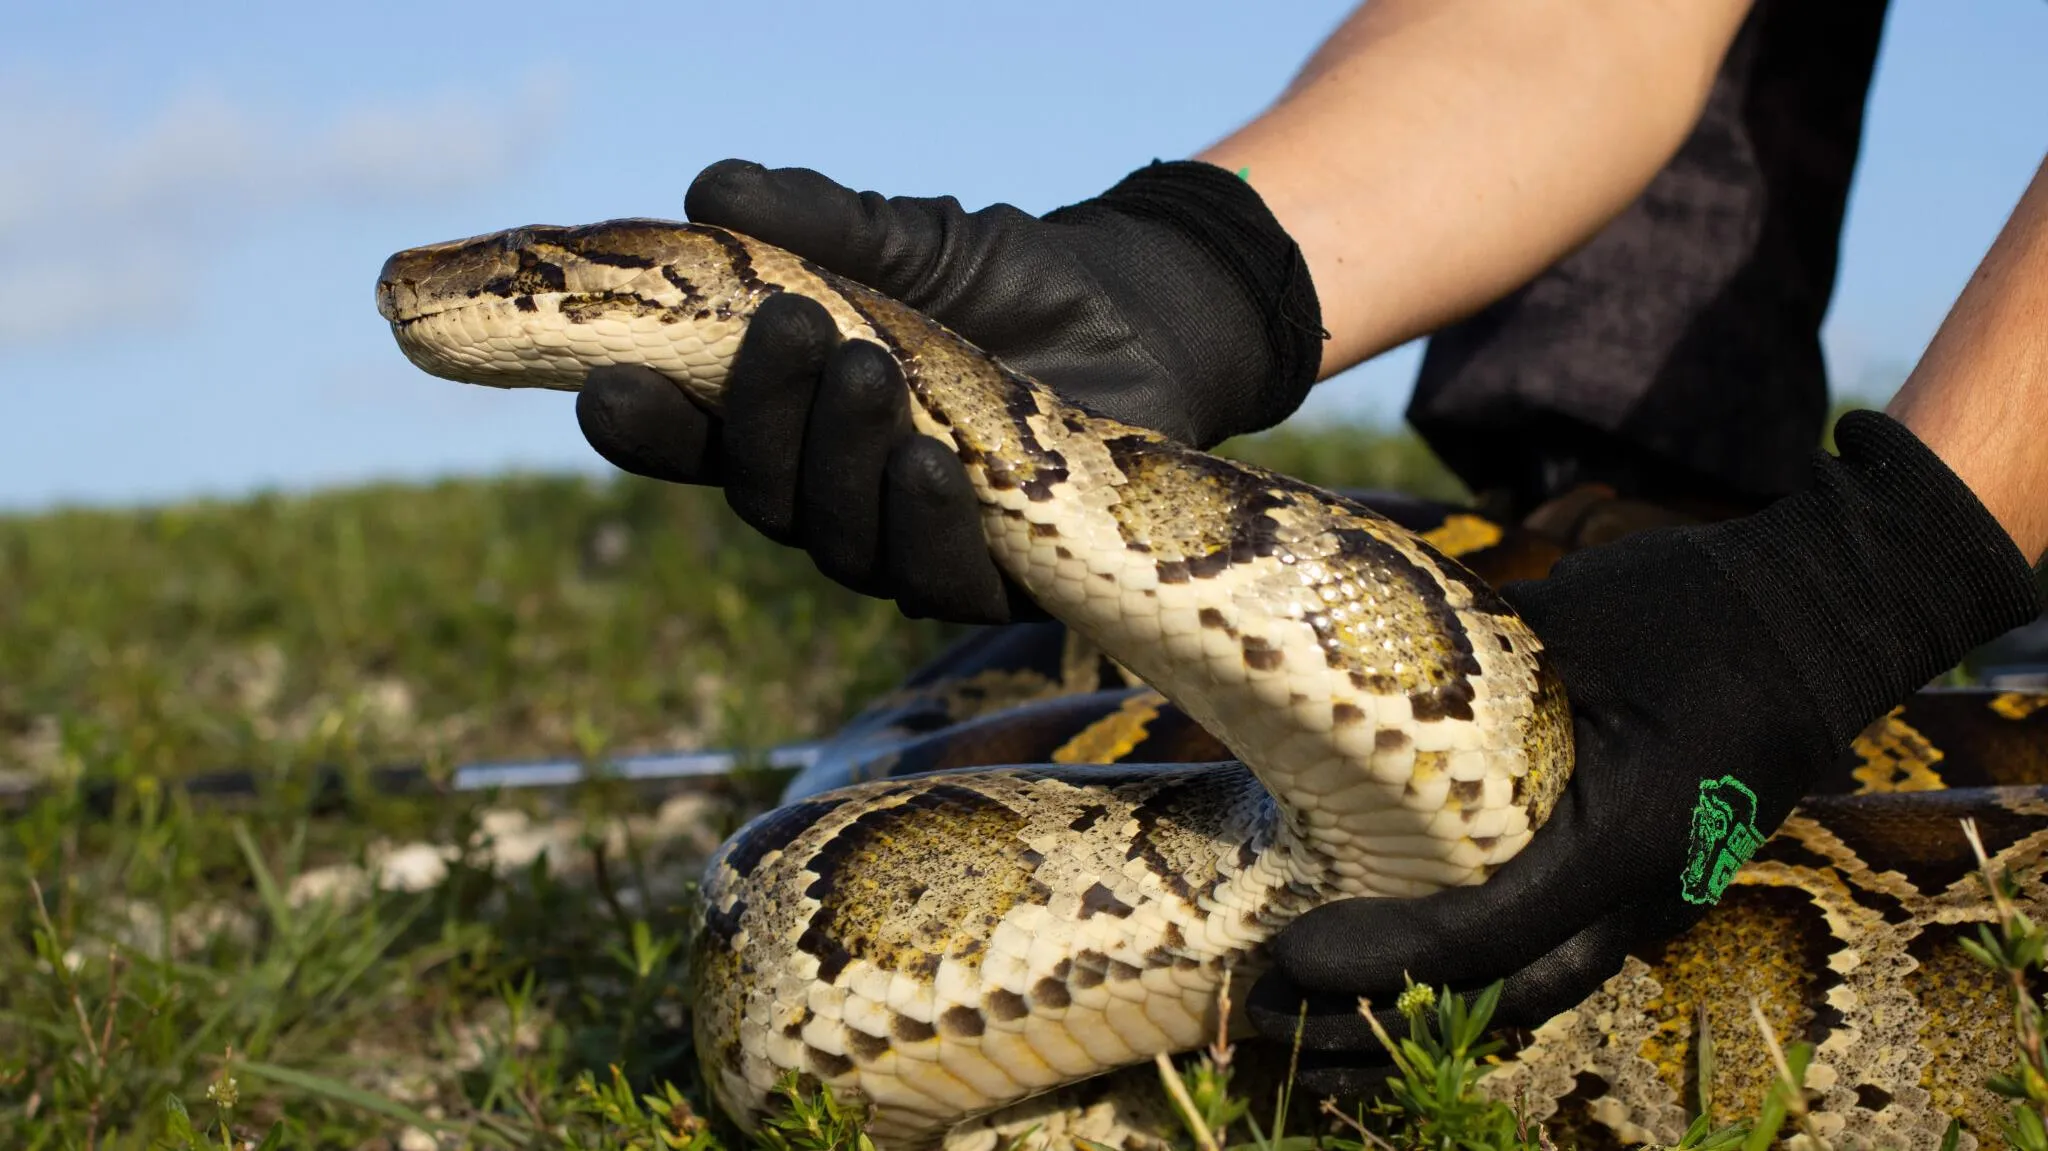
(641, 423)
(1340, 1055)
(1173, 301)
(1227, 223)
(936, 557)
(1753, 649)
(769, 396)
(1826, 571)
(1677, 353)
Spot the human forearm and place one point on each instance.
(1434, 154)
(1979, 396)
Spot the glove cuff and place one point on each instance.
(1224, 219)
(1879, 576)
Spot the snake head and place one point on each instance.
(541, 306)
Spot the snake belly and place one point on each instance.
(941, 947)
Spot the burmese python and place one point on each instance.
(941, 947)
(1845, 925)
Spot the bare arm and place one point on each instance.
(1979, 396)
(1435, 154)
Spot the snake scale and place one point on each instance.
(1845, 927)
(969, 953)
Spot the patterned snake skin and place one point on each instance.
(1845, 926)
(940, 948)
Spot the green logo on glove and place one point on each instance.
(1724, 836)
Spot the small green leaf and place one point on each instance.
(1727, 1137)
(179, 1120)
(1798, 1056)
(2024, 1130)
(1770, 1117)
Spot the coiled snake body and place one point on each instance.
(942, 946)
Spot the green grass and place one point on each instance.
(476, 618)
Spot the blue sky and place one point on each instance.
(194, 198)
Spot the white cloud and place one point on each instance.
(90, 207)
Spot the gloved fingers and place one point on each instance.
(938, 560)
(860, 416)
(886, 244)
(768, 398)
(1342, 1057)
(1461, 936)
(1572, 970)
(1341, 1053)
(1324, 1021)
(641, 422)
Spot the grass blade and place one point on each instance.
(335, 1091)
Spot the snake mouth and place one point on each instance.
(400, 304)
(403, 305)
(404, 300)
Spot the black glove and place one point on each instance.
(1713, 671)
(1173, 301)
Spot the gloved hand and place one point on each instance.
(1713, 671)
(1173, 301)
